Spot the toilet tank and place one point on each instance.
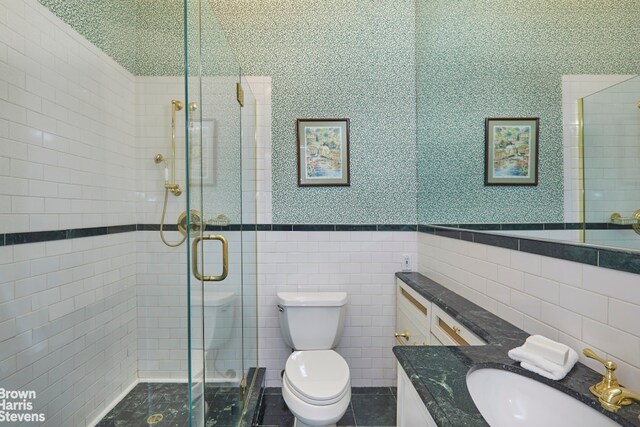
(311, 320)
(219, 316)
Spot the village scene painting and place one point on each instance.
(323, 152)
(511, 151)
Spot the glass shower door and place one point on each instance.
(217, 280)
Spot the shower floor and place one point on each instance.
(170, 400)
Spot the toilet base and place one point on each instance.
(298, 423)
(315, 416)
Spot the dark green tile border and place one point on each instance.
(74, 233)
(533, 226)
(583, 254)
(314, 227)
(615, 259)
(495, 240)
(356, 227)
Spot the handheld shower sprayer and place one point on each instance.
(171, 185)
(170, 180)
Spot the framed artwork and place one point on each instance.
(511, 151)
(323, 152)
(202, 151)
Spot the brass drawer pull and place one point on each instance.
(454, 333)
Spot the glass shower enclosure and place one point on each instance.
(219, 135)
(145, 136)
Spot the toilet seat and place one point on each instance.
(317, 377)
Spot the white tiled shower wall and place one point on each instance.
(67, 308)
(162, 270)
(66, 127)
(577, 304)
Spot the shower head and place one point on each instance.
(177, 105)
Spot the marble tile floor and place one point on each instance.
(170, 400)
(370, 406)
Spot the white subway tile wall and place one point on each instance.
(261, 90)
(67, 160)
(577, 304)
(153, 97)
(360, 263)
(162, 308)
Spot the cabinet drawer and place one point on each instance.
(417, 334)
(414, 304)
(413, 316)
(449, 331)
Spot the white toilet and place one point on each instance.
(219, 319)
(219, 316)
(316, 384)
(219, 311)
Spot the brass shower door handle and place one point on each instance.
(225, 258)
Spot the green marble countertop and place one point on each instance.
(439, 373)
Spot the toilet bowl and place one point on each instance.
(316, 387)
(316, 384)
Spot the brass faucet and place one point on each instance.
(609, 392)
(609, 379)
(613, 398)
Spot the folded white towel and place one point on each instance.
(551, 350)
(541, 366)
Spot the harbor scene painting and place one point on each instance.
(511, 151)
(323, 152)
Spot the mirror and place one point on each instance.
(611, 171)
(601, 127)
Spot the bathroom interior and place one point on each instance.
(151, 221)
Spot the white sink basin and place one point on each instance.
(506, 399)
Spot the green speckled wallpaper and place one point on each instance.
(147, 36)
(343, 58)
(505, 58)
(110, 25)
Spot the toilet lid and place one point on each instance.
(317, 375)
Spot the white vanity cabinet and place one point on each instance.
(411, 410)
(419, 322)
